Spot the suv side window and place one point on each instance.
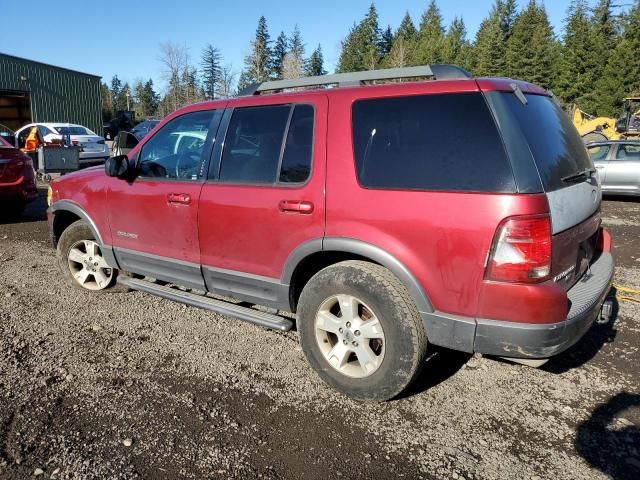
(296, 159)
(430, 142)
(253, 144)
(628, 152)
(177, 150)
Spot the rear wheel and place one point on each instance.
(361, 331)
(81, 259)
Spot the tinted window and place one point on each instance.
(628, 152)
(176, 151)
(554, 142)
(296, 159)
(599, 152)
(430, 142)
(253, 144)
(74, 130)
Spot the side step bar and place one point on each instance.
(263, 319)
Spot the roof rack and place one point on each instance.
(438, 71)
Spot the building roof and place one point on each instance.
(48, 65)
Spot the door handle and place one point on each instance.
(296, 206)
(599, 167)
(179, 198)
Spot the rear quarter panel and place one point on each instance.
(443, 238)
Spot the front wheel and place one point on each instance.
(361, 331)
(81, 260)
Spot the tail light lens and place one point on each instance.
(15, 169)
(521, 250)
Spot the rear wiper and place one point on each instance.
(582, 175)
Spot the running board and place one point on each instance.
(263, 319)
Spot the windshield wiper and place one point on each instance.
(585, 174)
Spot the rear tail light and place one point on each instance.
(521, 250)
(74, 142)
(16, 169)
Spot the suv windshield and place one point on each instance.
(74, 131)
(557, 148)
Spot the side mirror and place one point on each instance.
(117, 166)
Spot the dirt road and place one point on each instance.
(132, 386)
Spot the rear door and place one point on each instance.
(264, 197)
(623, 169)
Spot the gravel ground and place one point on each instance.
(132, 386)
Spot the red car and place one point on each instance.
(17, 179)
(462, 212)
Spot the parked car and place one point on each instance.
(143, 128)
(618, 164)
(17, 180)
(459, 212)
(94, 148)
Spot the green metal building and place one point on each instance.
(37, 92)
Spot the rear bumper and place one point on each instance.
(528, 340)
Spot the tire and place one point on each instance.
(594, 136)
(78, 245)
(383, 303)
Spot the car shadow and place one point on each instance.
(440, 366)
(589, 345)
(35, 211)
(611, 442)
(621, 198)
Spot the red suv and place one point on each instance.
(461, 212)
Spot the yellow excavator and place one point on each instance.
(599, 129)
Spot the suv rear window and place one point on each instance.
(557, 149)
(430, 142)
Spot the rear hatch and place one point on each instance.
(566, 173)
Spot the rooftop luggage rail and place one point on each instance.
(438, 71)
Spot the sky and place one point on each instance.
(123, 37)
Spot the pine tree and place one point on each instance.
(621, 76)
(507, 13)
(280, 49)
(604, 34)
(407, 29)
(386, 41)
(315, 64)
(577, 69)
(404, 40)
(116, 88)
(106, 101)
(361, 47)
(210, 70)
(147, 99)
(489, 47)
(257, 64)
(430, 36)
(455, 47)
(531, 49)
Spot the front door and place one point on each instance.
(265, 196)
(154, 218)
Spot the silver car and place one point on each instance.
(618, 164)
